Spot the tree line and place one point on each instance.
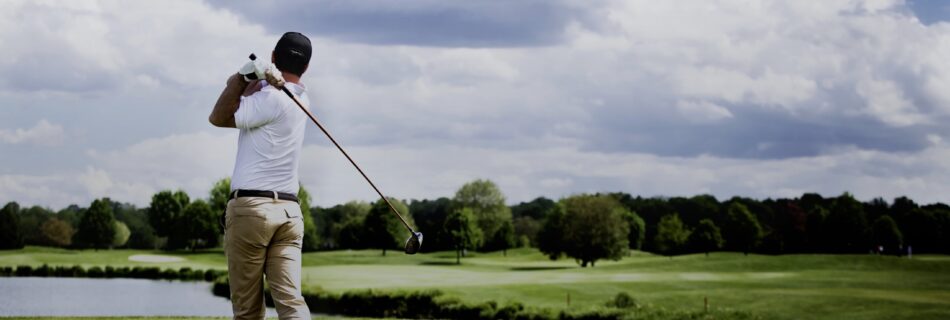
(585, 227)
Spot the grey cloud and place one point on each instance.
(418, 22)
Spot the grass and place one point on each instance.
(776, 287)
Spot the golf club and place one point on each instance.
(414, 243)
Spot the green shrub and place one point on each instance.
(623, 301)
(42, 271)
(24, 271)
(6, 271)
(78, 271)
(95, 272)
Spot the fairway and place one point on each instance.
(775, 287)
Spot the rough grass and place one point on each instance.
(777, 287)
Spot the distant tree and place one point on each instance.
(57, 232)
(10, 237)
(351, 234)
(97, 226)
(505, 237)
(536, 209)
(638, 229)
(311, 241)
(462, 227)
(815, 236)
(741, 230)
(706, 237)
(219, 195)
(197, 227)
(122, 234)
(671, 235)
(164, 210)
(382, 228)
(551, 235)
(527, 228)
(430, 216)
(31, 219)
(846, 226)
(594, 228)
(885, 233)
(142, 236)
(346, 224)
(487, 203)
(921, 230)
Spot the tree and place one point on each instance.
(57, 232)
(741, 230)
(637, 230)
(341, 225)
(97, 226)
(505, 237)
(671, 235)
(487, 203)
(10, 237)
(165, 209)
(846, 226)
(197, 227)
(463, 229)
(382, 229)
(885, 233)
(814, 234)
(594, 228)
(527, 228)
(311, 241)
(220, 194)
(430, 216)
(551, 235)
(706, 236)
(122, 234)
(536, 209)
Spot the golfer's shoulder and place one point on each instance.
(268, 95)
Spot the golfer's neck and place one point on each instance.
(290, 77)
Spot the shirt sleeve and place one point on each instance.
(254, 111)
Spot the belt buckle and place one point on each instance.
(275, 195)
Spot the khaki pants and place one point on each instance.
(264, 237)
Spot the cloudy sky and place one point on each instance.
(546, 98)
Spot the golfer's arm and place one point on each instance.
(228, 103)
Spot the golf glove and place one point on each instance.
(257, 70)
(253, 70)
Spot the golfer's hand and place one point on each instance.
(274, 77)
(253, 70)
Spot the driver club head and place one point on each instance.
(414, 243)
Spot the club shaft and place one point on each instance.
(327, 133)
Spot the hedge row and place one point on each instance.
(433, 304)
(154, 273)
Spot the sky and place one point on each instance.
(756, 98)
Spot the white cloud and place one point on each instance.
(703, 111)
(43, 133)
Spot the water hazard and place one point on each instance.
(110, 297)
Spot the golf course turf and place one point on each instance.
(772, 287)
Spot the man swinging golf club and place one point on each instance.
(263, 221)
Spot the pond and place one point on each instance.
(110, 297)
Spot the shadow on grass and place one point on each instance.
(438, 263)
(540, 268)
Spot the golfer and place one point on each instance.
(263, 221)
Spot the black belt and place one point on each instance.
(263, 194)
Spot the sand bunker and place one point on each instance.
(155, 258)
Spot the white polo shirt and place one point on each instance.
(272, 132)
